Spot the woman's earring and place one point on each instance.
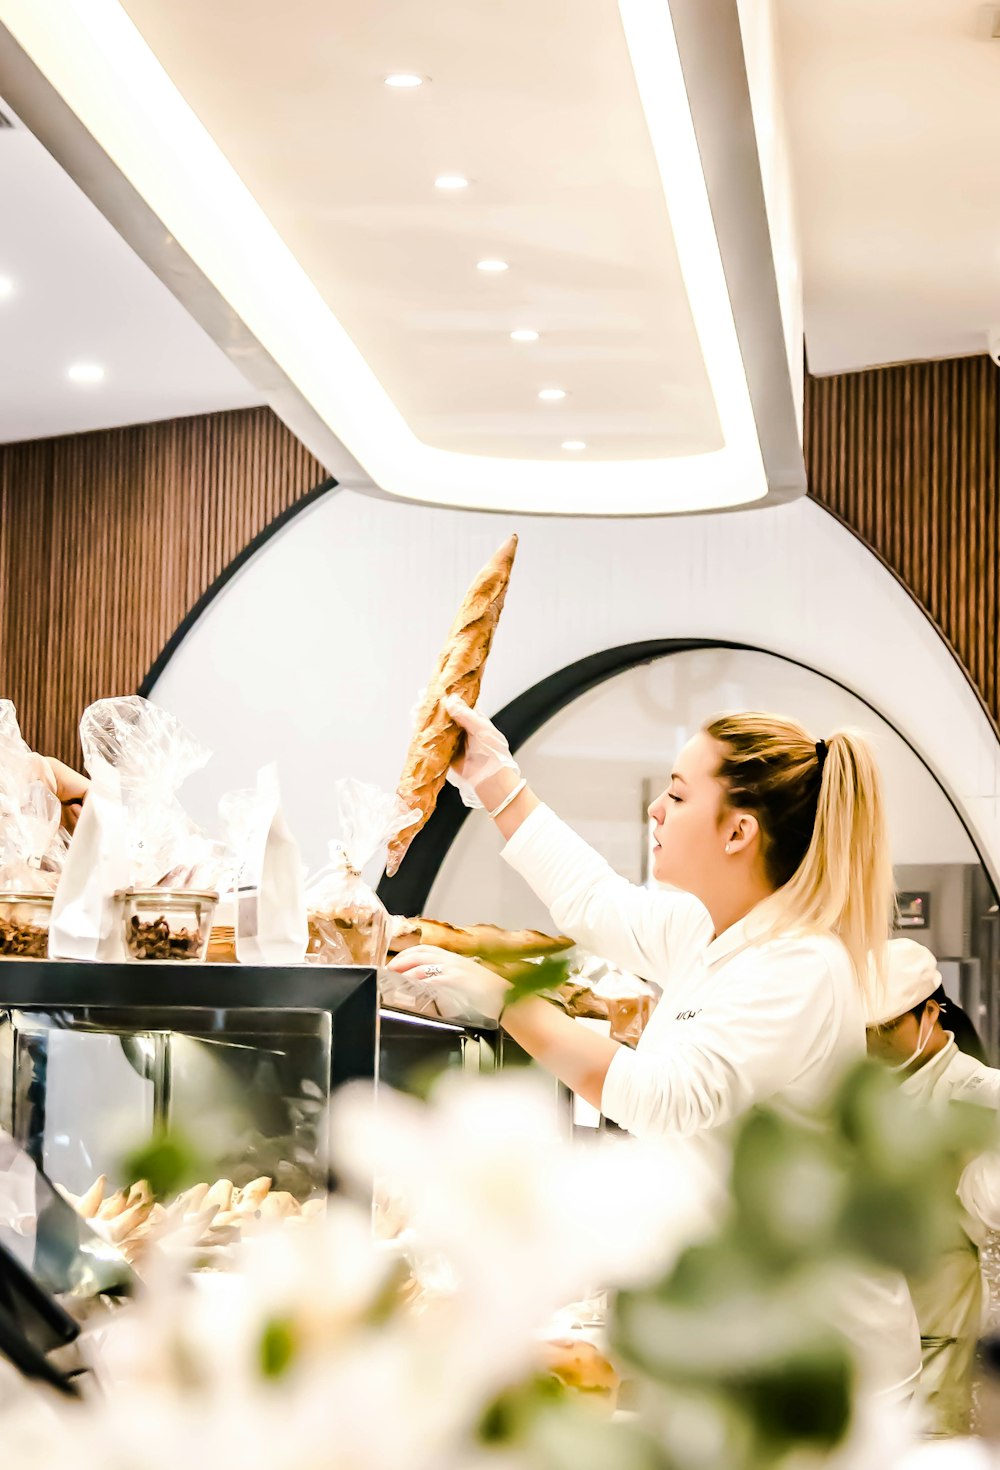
(729, 847)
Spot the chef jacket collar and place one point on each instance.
(746, 931)
(925, 1077)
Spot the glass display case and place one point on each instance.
(241, 1060)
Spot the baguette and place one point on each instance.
(436, 737)
(479, 939)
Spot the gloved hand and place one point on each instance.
(484, 754)
(480, 990)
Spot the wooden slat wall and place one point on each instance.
(107, 540)
(909, 458)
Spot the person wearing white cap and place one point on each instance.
(906, 1032)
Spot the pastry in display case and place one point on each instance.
(96, 1060)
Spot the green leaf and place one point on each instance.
(510, 1416)
(278, 1347)
(536, 979)
(788, 1189)
(803, 1401)
(169, 1162)
(574, 1436)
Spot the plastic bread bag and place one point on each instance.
(208, 865)
(270, 900)
(32, 843)
(150, 754)
(133, 831)
(598, 990)
(348, 922)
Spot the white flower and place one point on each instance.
(526, 1216)
(508, 1217)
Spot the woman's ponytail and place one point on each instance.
(824, 839)
(845, 881)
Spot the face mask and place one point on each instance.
(922, 1043)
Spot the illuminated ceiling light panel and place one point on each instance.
(97, 60)
(87, 373)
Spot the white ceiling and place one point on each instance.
(893, 109)
(81, 294)
(565, 188)
(301, 190)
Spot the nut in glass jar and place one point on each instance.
(166, 923)
(24, 925)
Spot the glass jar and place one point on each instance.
(24, 925)
(166, 923)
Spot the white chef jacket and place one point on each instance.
(743, 1019)
(949, 1297)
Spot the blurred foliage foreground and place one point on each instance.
(732, 1357)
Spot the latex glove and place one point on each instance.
(484, 753)
(480, 991)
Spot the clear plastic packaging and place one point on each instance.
(133, 832)
(348, 922)
(32, 843)
(150, 755)
(597, 989)
(47, 1236)
(166, 924)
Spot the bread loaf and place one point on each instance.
(578, 1365)
(436, 737)
(476, 939)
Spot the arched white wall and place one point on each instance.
(592, 761)
(314, 654)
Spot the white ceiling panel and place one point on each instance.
(79, 294)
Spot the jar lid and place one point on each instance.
(11, 895)
(173, 895)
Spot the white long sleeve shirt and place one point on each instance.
(949, 1298)
(739, 1022)
(743, 1019)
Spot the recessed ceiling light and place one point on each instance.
(574, 444)
(6, 287)
(403, 79)
(451, 182)
(552, 395)
(85, 372)
(491, 266)
(524, 334)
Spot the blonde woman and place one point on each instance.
(778, 842)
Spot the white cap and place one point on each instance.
(912, 976)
